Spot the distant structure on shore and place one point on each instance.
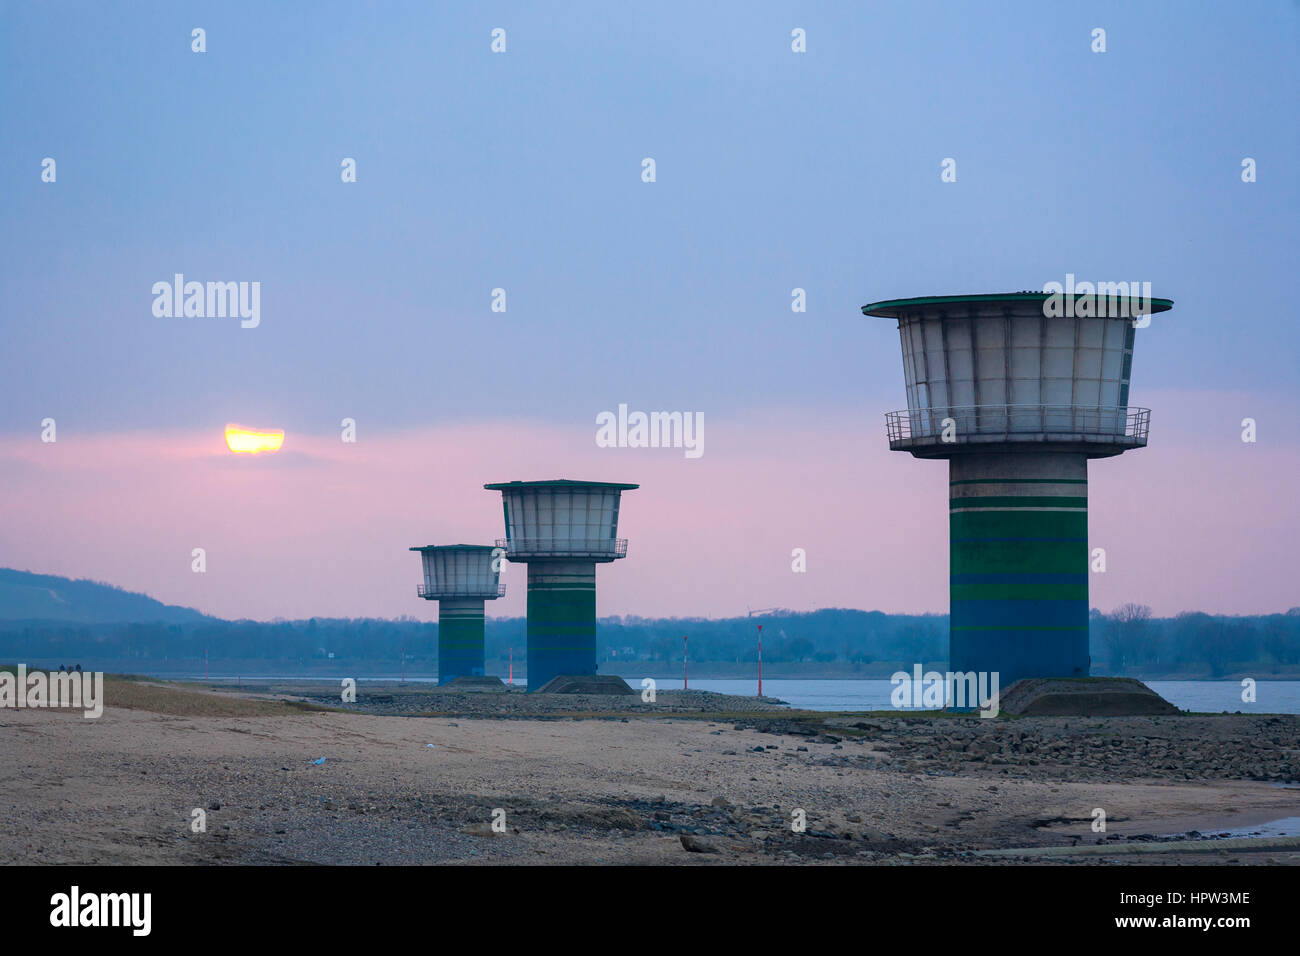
(561, 529)
(1017, 391)
(460, 577)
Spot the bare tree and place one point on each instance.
(1130, 636)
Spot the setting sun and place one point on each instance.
(246, 441)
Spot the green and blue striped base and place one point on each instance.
(561, 619)
(1018, 527)
(460, 638)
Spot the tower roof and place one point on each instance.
(896, 308)
(559, 483)
(455, 547)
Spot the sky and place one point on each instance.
(523, 171)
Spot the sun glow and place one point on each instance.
(246, 441)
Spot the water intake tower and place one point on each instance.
(1017, 391)
(460, 577)
(561, 529)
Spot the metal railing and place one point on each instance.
(577, 547)
(430, 592)
(992, 423)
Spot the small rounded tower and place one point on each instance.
(460, 577)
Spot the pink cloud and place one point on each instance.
(322, 528)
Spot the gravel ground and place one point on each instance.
(1109, 749)
(649, 788)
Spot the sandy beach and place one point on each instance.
(623, 788)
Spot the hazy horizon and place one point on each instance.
(290, 537)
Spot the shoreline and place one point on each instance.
(632, 671)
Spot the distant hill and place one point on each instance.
(25, 596)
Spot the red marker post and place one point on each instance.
(760, 660)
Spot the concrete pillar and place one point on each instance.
(561, 619)
(1018, 530)
(460, 638)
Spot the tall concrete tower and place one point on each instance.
(1017, 397)
(562, 529)
(460, 577)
